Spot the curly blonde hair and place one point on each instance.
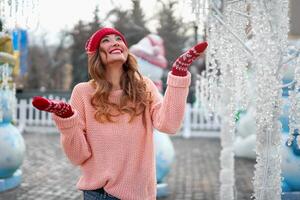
(135, 96)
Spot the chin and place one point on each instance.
(115, 61)
(122, 59)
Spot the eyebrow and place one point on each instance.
(108, 36)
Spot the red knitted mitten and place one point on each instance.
(59, 108)
(182, 63)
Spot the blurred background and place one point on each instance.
(48, 46)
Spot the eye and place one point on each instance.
(104, 40)
(118, 38)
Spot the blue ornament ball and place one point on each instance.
(285, 187)
(164, 153)
(290, 165)
(12, 148)
(295, 146)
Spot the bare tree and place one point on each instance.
(47, 65)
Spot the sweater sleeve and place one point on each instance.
(73, 131)
(167, 112)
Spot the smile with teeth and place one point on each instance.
(115, 51)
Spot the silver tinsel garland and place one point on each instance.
(19, 13)
(270, 27)
(7, 91)
(232, 61)
(222, 84)
(228, 55)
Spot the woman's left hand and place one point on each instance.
(182, 63)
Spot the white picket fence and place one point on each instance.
(199, 123)
(196, 122)
(29, 119)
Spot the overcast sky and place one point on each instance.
(56, 15)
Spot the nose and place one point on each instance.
(116, 43)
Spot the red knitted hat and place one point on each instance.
(92, 44)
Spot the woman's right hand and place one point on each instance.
(59, 108)
(183, 62)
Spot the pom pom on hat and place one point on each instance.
(93, 42)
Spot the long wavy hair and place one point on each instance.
(134, 99)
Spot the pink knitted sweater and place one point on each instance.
(120, 156)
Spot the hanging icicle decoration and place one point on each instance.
(200, 11)
(233, 64)
(21, 14)
(7, 91)
(5, 76)
(220, 85)
(209, 80)
(270, 27)
(269, 21)
(238, 19)
(213, 87)
(235, 27)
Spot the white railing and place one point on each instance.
(197, 123)
(30, 119)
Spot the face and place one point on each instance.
(113, 50)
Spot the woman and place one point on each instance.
(107, 127)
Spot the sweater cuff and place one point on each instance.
(179, 81)
(65, 123)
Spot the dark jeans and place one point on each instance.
(98, 194)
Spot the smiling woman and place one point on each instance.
(107, 129)
(111, 65)
(113, 50)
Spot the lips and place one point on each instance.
(116, 51)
